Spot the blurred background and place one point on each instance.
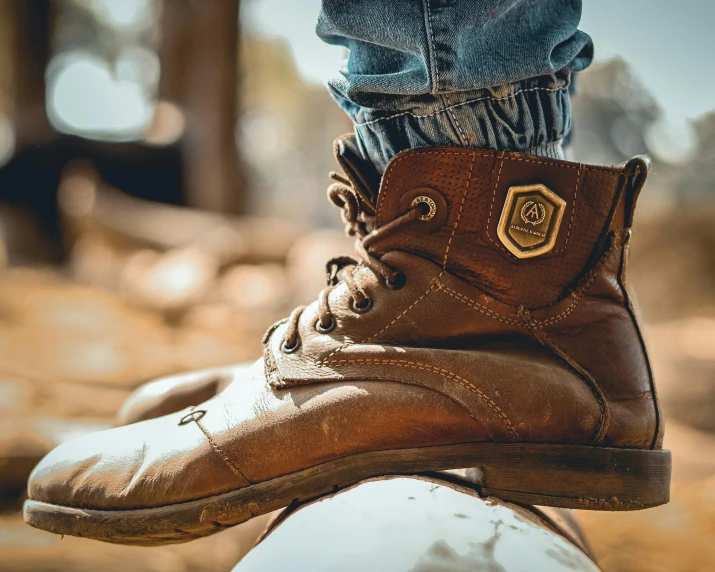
(162, 177)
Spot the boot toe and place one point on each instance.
(147, 464)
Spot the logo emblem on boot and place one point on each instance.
(530, 220)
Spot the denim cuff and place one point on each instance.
(531, 116)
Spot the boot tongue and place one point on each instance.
(360, 171)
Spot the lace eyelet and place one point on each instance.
(194, 415)
(366, 305)
(286, 349)
(325, 329)
(428, 208)
(433, 208)
(397, 282)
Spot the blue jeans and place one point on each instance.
(492, 74)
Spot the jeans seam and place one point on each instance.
(486, 97)
(430, 48)
(452, 115)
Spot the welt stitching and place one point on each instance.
(459, 216)
(486, 97)
(444, 372)
(234, 469)
(477, 306)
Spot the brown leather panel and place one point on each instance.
(502, 390)
(601, 336)
(474, 184)
(299, 427)
(454, 173)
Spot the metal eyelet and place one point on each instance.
(290, 349)
(397, 282)
(325, 329)
(366, 305)
(429, 207)
(194, 415)
(433, 208)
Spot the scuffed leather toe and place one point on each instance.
(147, 464)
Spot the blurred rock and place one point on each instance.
(683, 356)
(21, 238)
(612, 114)
(169, 281)
(256, 286)
(89, 206)
(672, 263)
(53, 330)
(25, 439)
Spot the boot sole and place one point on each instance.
(568, 476)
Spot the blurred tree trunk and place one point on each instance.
(30, 54)
(199, 59)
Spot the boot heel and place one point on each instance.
(572, 476)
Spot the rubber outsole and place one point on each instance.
(568, 476)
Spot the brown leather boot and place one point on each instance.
(487, 325)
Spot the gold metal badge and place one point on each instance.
(530, 220)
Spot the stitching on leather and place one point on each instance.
(486, 97)
(580, 293)
(232, 467)
(477, 306)
(433, 284)
(438, 284)
(581, 290)
(580, 168)
(573, 211)
(566, 165)
(444, 372)
(459, 216)
(575, 205)
(494, 197)
(392, 166)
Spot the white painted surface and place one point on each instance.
(407, 524)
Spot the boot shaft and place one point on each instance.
(539, 248)
(523, 229)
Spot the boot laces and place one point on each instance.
(359, 219)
